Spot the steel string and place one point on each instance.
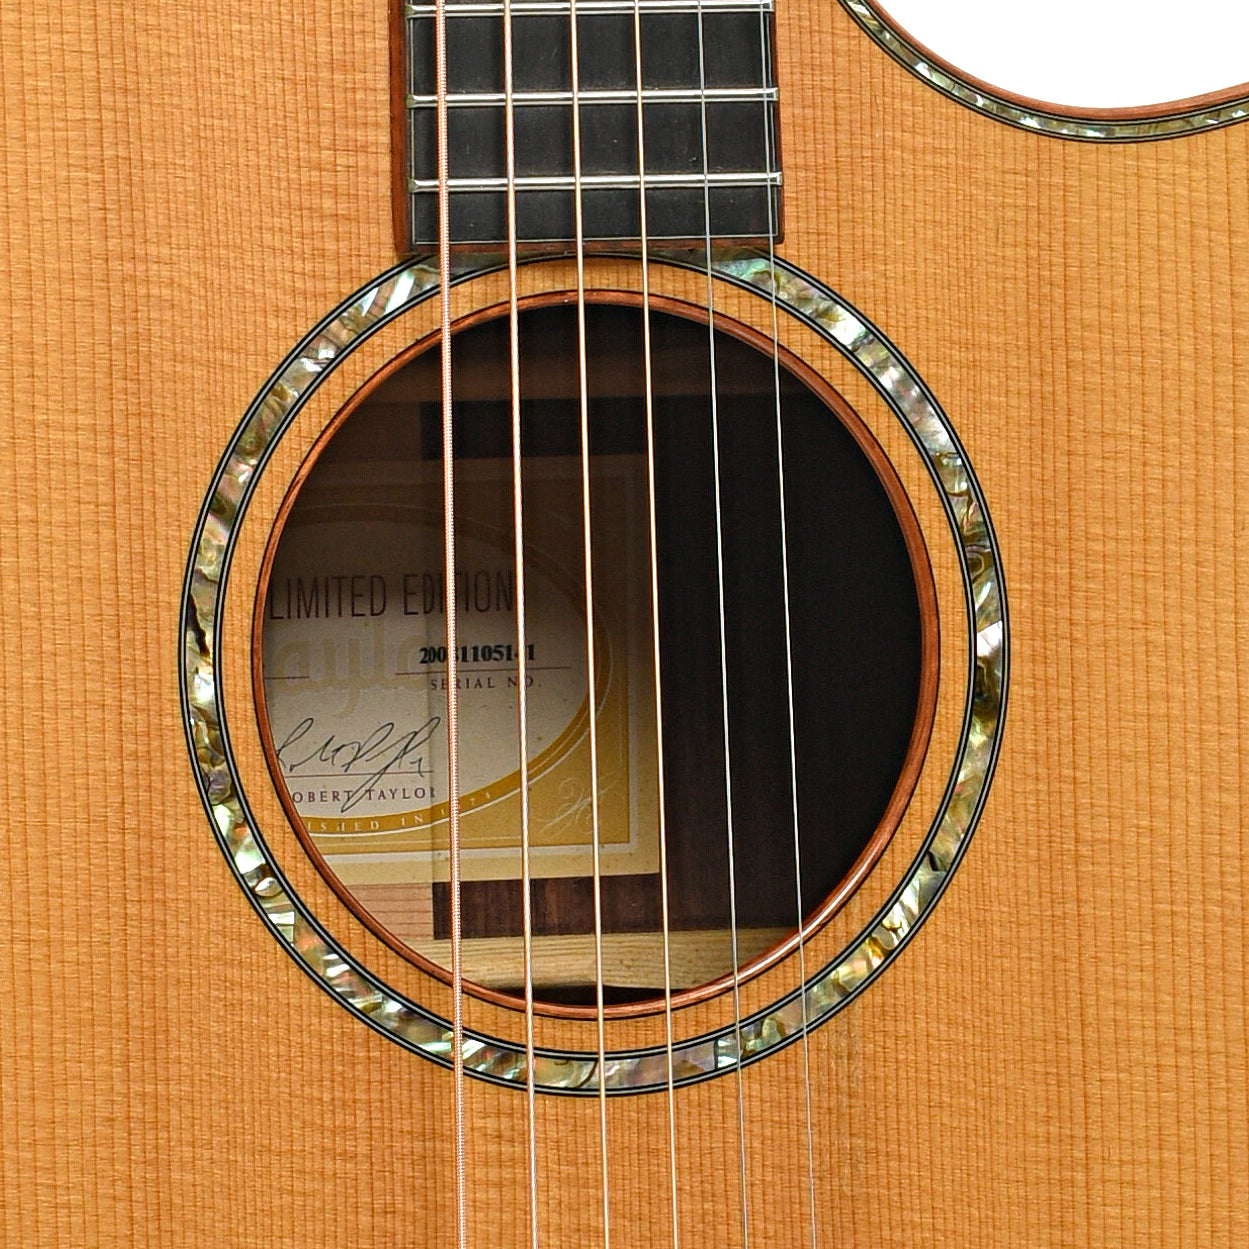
(648, 374)
(724, 669)
(591, 665)
(448, 497)
(522, 662)
(769, 146)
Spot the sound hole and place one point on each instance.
(354, 665)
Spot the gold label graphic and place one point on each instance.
(355, 670)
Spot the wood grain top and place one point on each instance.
(1058, 1059)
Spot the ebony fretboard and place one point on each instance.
(709, 121)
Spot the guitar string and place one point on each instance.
(769, 140)
(661, 818)
(522, 659)
(724, 670)
(449, 599)
(591, 665)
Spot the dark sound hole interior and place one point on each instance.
(365, 532)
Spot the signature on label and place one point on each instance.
(381, 751)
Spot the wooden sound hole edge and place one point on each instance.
(825, 992)
(926, 700)
(1170, 119)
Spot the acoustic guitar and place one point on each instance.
(627, 636)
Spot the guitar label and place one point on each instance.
(356, 677)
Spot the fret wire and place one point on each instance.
(565, 182)
(657, 95)
(526, 8)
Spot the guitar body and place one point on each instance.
(1058, 1057)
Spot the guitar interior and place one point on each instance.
(791, 648)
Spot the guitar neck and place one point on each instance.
(700, 76)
